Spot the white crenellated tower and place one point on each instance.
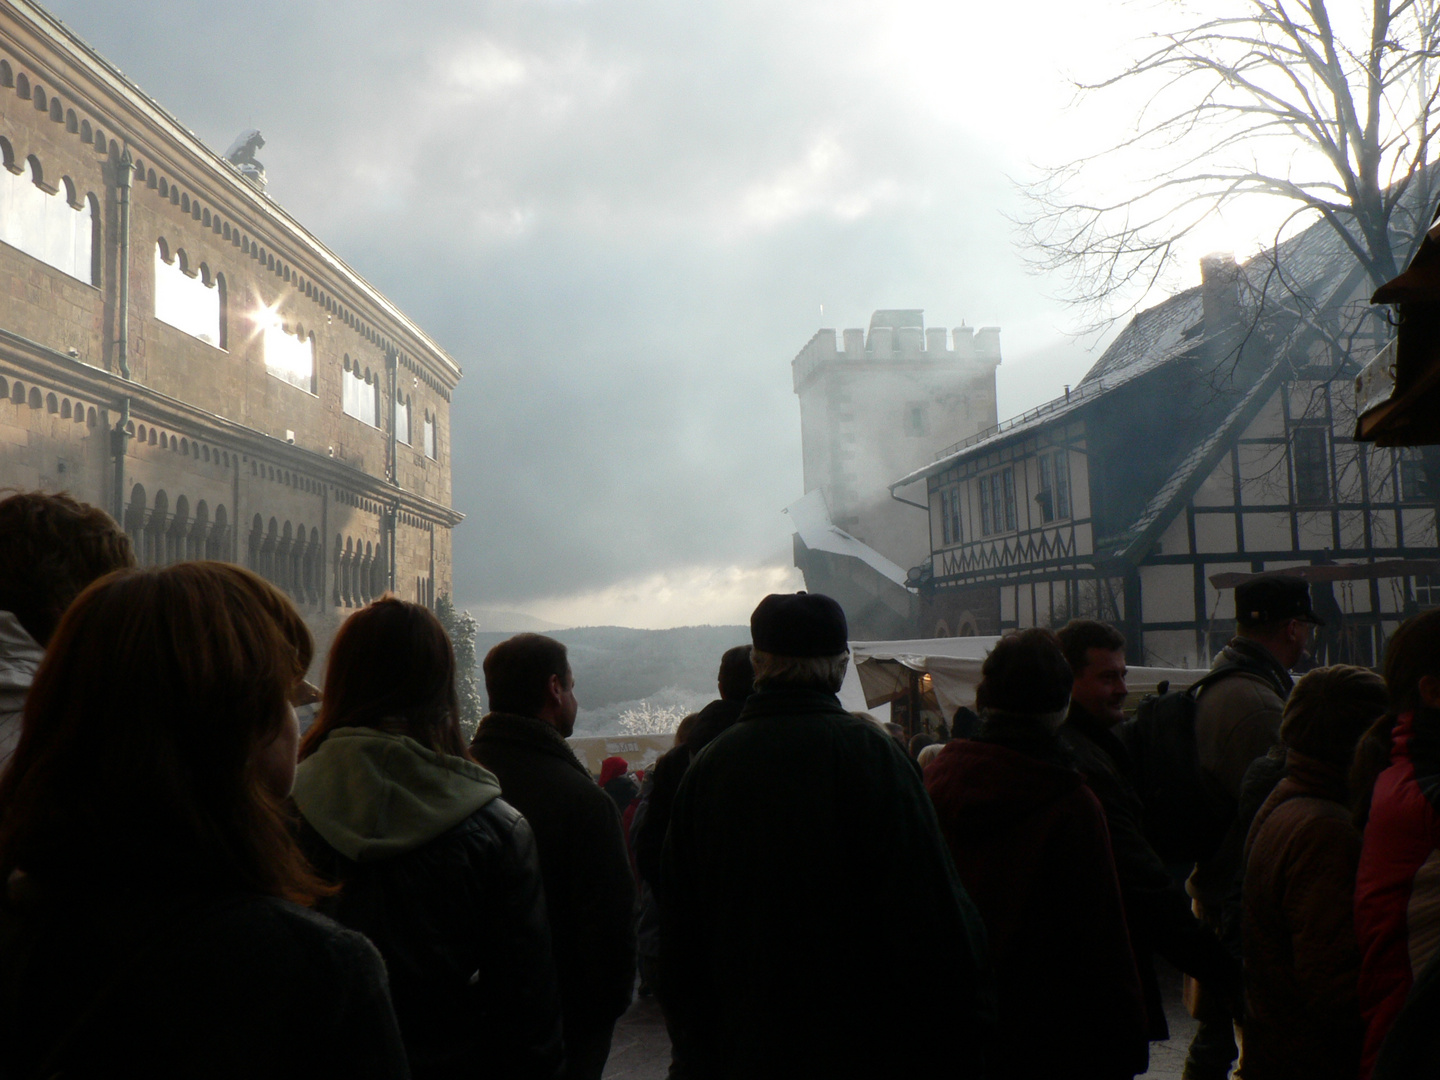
(875, 406)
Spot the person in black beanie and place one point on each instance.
(796, 839)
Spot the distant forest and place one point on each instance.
(616, 667)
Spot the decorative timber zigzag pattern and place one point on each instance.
(1050, 544)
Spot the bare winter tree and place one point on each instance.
(1329, 115)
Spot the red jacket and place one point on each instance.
(1029, 840)
(1397, 889)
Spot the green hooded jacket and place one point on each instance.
(372, 795)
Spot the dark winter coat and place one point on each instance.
(1302, 965)
(1157, 909)
(225, 987)
(443, 877)
(813, 924)
(668, 772)
(623, 790)
(589, 891)
(1030, 844)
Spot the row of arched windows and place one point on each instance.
(288, 556)
(87, 208)
(190, 298)
(162, 534)
(55, 223)
(360, 572)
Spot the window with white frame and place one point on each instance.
(1427, 589)
(360, 392)
(290, 356)
(402, 418)
(997, 502)
(188, 298)
(431, 450)
(58, 227)
(1054, 495)
(950, 515)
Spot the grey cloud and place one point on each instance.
(621, 218)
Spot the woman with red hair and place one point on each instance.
(153, 920)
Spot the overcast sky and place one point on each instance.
(623, 217)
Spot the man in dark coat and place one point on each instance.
(1157, 909)
(807, 901)
(589, 891)
(1030, 844)
(735, 682)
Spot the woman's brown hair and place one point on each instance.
(391, 667)
(137, 762)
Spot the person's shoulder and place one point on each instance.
(249, 931)
(1237, 694)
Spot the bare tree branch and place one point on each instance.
(1332, 114)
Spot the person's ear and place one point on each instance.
(1430, 691)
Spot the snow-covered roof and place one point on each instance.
(811, 517)
(1309, 270)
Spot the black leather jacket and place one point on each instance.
(462, 926)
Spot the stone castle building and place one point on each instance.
(873, 406)
(177, 348)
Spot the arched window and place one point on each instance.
(287, 356)
(155, 528)
(187, 302)
(402, 417)
(135, 517)
(360, 394)
(58, 229)
(217, 544)
(430, 438)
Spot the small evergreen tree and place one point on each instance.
(461, 627)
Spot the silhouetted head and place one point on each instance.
(736, 680)
(1329, 709)
(529, 675)
(799, 640)
(392, 666)
(158, 744)
(51, 547)
(1026, 674)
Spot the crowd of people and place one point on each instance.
(193, 887)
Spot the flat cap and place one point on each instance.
(799, 624)
(1269, 598)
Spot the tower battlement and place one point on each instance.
(897, 336)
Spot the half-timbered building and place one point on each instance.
(1212, 440)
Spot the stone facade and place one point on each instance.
(876, 406)
(198, 447)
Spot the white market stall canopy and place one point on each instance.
(883, 671)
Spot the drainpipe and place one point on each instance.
(120, 436)
(392, 513)
(392, 362)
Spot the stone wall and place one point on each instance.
(220, 456)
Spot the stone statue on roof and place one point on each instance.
(242, 155)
